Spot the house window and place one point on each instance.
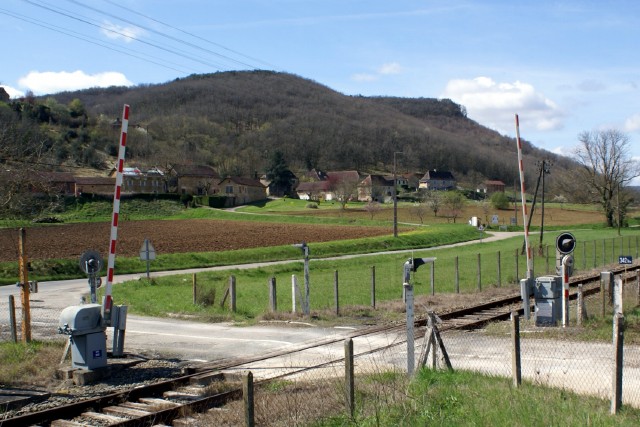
(229, 189)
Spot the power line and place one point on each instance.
(189, 34)
(151, 30)
(88, 22)
(91, 40)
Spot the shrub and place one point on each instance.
(312, 205)
(499, 200)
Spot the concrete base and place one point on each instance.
(88, 376)
(12, 398)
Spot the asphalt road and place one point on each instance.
(174, 337)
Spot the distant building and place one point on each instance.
(438, 180)
(240, 191)
(375, 188)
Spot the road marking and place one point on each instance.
(207, 338)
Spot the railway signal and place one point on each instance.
(91, 263)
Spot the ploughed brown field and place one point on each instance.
(179, 236)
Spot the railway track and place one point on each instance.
(211, 385)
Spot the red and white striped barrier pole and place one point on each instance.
(528, 282)
(108, 302)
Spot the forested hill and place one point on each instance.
(235, 121)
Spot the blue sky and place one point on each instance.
(563, 66)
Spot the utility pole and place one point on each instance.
(24, 287)
(395, 196)
(545, 169)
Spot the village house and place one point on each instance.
(94, 185)
(493, 186)
(63, 183)
(240, 191)
(138, 181)
(315, 191)
(438, 180)
(197, 180)
(375, 188)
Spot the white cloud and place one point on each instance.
(118, 32)
(13, 92)
(390, 68)
(632, 124)
(495, 104)
(364, 77)
(386, 69)
(52, 82)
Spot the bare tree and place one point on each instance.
(453, 202)
(433, 199)
(420, 209)
(607, 167)
(372, 208)
(345, 189)
(23, 151)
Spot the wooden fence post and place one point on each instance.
(373, 286)
(273, 301)
(516, 362)
(349, 376)
(595, 257)
(247, 397)
(618, 348)
(24, 286)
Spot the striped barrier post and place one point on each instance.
(108, 302)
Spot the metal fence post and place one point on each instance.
(12, 319)
(433, 278)
(618, 348)
(479, 274)
(516, 362)
(294, 288)
(232, 293)
(335, 292)
(247, 397)
(273, 301)
(408, 292)
(584, 255)
(373, 286)
(499, 270)
(349, 376)
(517, 272)
(457, 275)
(580, 309)
(637, 288)
(194, 287)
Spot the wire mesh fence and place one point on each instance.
(296, 389)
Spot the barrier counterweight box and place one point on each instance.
(87, 335)
(548, 299)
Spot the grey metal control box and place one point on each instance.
(547, 292)
(83, 324)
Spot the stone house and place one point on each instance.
(438, 180)
(241, 191)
